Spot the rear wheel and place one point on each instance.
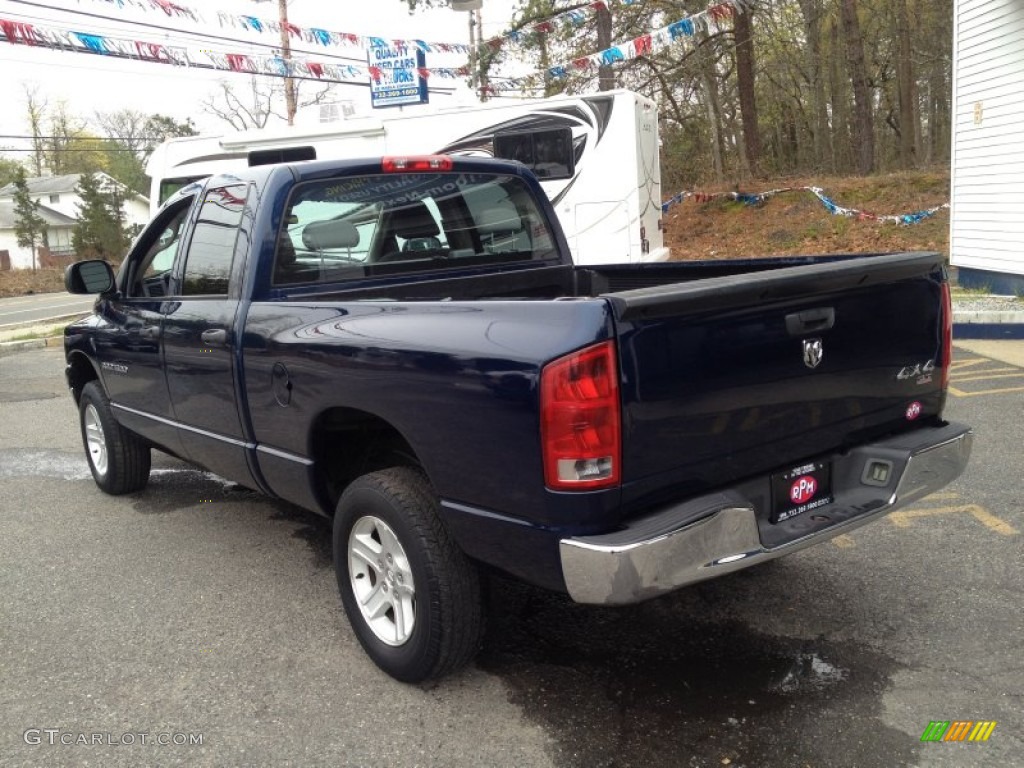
(118, 459)
(412, 597)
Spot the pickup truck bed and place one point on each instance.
(346, 336)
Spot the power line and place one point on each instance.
(67, 138)
(188, 35)
(197, 65)
(51, 150)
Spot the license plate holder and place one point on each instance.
(800, 490)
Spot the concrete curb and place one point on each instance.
(988, 324)
(10, 347)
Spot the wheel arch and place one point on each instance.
(80, 371)
(346, 443)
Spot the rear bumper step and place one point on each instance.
(724, 532)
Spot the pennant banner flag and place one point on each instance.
(248, 23)
(711, 18)
(17, 32)
(714, 16)
(757, 198)
(565, 21)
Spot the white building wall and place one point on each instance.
(21, 258)
(136, 209)
(987, 217)
(67, 203)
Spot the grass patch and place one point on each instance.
(29, 336)
(34, 333)
(967, 293)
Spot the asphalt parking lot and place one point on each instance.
(198, 611)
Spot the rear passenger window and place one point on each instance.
(212, 248)
(362, 226)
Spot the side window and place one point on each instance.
(151, 273)
(210, 252)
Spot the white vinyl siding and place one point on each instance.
(987, 217)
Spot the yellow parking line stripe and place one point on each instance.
(903, 518)
(956, 365)
(990, 370)
(984, 376)
(992, 522)
(960, 393)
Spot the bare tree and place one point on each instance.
(813, 12)
(605, 73)
(863, 120)
(745, 89)
(127, 127)
(140, 133)
(35, 109)
(909, 124)
(709, 84)
(253, 106)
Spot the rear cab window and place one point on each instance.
(382, 224)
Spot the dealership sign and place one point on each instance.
(395, 77)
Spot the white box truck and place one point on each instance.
(596, 157)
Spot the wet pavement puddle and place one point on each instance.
(660, 685)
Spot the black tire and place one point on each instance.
(444, 605)
(124, 466)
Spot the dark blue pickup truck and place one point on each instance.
(404, 345)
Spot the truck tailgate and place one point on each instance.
(730, 377)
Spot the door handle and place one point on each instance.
(214, 336)
(810, 321)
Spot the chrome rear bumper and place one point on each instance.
(724, 532)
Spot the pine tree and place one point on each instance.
(29, 226)
(100, 232)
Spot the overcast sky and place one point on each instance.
(90, 82)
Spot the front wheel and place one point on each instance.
(119, 460)
(411, 596)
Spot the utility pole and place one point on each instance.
(291, 88)
(482, 66)
(291, 96)
(477, 77)
(474, 54)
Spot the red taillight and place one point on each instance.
(947, 333)
(416, 163)
(580, 428)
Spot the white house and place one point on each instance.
(987, 217)
(58, 206)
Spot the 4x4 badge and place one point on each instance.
(813, 352)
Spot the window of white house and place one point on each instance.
(54, 198)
